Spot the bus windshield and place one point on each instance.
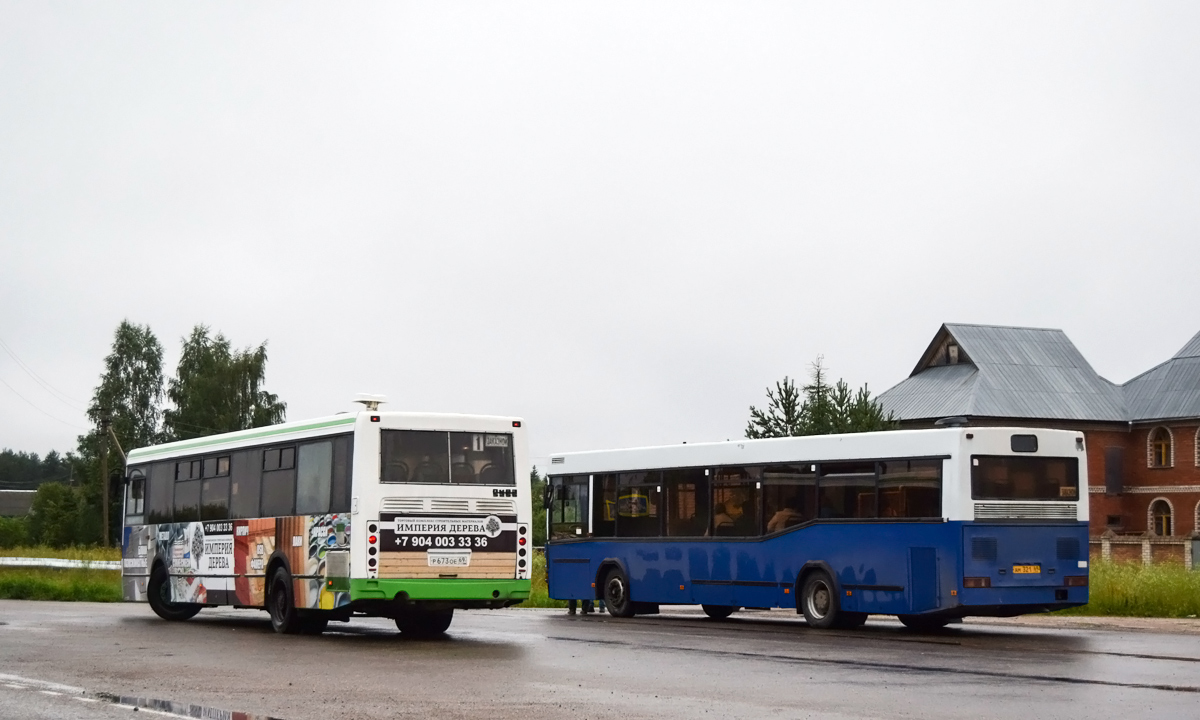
(1024, 478)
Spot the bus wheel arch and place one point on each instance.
(160, 580)
(615, 590)
(606, 566)
(818, 596)
(279, 598)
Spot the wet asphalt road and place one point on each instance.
(64, 660)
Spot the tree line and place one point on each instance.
(216, 388)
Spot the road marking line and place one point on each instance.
(14, 687)
(49, 692)
(67, 689)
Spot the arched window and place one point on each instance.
(1162, 454)
(1161, 518)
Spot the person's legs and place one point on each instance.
(570, 607)
(588, 607)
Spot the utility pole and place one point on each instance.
(104, 424)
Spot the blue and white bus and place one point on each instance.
(930, 525)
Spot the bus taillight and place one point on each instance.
(977, 582)
(1076, 581)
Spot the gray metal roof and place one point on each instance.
(1005, 372)
(1170, 390)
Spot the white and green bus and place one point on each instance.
(401, 515)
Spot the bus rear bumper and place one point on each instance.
(480, 593)
(1011, 602)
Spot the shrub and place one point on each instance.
(14, 531)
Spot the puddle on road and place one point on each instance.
(180, 709)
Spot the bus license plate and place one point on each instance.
(448, 558)
(1027, 569)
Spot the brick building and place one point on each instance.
(1143, 437)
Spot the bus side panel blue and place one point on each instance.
(923, 578)
(569, 575)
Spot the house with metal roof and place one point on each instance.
(1143, 437)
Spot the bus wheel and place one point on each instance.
(616, 594)
(922, 623)
(820, 601)
(719, 612)
(159, 595)
(425, 623)
(285, 618)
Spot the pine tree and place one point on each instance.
(821, 409)
(782, 418)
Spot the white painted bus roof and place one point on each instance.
(313, 427)
(812, 448)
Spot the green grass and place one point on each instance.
(1131, 590)
(538, 595)
(75, 553)
(31, 583)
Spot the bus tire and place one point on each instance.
(719, 612)
(159, 595)
(819, 601)
(616, 594)
(425, 623)
(923, 623)
(281, 604)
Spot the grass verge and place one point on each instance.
(1132, 590)
(538, 595)
(73, 553)
(25, 583)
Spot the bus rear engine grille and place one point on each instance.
(449, 505)
(1034, 510)
(497, 506)
(402, 504)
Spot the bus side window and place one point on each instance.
(214, 496)
(735, 505)
(187, 499)
(135, 497)
(245, 484)
(639, 496)
(343, 452)
(604, 505)
(314, 476)
(686, 496)
(910, 489)
(568, 507)
(160, 493)
(278, 482)
(790, 496)
(846, 490)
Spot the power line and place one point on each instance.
(35, 407)
(56, 394)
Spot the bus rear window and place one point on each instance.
(433, 456)
(1024, 478)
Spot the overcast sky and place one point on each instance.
(621, 221)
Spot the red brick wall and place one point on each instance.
(1134, 506)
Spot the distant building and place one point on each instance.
(16, 502)
(1143, 437)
